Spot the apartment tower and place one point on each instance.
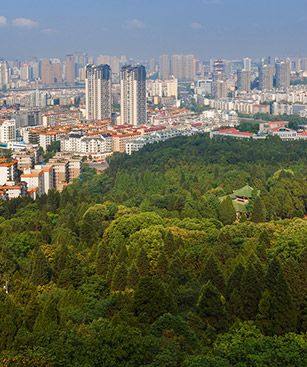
(98, 92)
(133, 95)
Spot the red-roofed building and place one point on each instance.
(302, 135)
(231, 132)
(120, 140)
(266, 127)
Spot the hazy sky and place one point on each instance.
(145, 28)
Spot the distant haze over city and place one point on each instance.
(143, 28)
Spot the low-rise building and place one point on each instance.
(284, 133)
(120, 140)
(12, 191)
(8, 170)
(231, 132)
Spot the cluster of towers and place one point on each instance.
(98, 89)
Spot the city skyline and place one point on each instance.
(207, 28)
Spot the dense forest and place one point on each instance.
(149, 265)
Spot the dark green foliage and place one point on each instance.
(211, 307)
(226, 211)
(162, 266)
(258, 214)
(278, 312)
(134, 268)
(133, 276)
(40, 269)
(102, 261)
(152, 299)
(213, 273)
(250, 291)
(142, 263)
(119, 280)
(234, 280)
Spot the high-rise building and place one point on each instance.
(56, 71)
(171, 88)
(35, 70)
(25, 72)
(152, 66)
(98, 92)
(70, 68)
(247, 64)
(183, 67)
(266, 73)
(51, 71)
(165, 67)
(282, 74)
(220, 89)
(46, 71)
(244, 80)
(133, 95)
(113, 61)
(4, 74)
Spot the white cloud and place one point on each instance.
(24, 23)
(196, 26)
(135, 24)
(49, 31)
(3, 21)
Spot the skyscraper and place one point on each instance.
(244, 80)
(51, 71)
(266, 73)
(183, 67)
(247, 64)
(220, 89)
(4, 74)
(133, 95)
(165, 67)
(98, 92)
(70, 68)
(282, 74)
(46, 71)
(218, 67)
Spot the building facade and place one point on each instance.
(98, 92)
(133, 95)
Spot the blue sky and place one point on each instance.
(147, 28)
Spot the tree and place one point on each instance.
(162, 266)
(152, 299)
(102, 260)
(251, 289)
(119, 280)
(234, 280)
(133, 276)
(226, 211)
(263, 316)
(40, 269)
(142, 263)
(206, 361)
(281, 313)
(211, 307)
(46, 323)
(213, 273)
(258, 214)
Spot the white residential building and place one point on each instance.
(8, 131)
(8, 171)
(133, 95)
(87, 145)
(98, 92)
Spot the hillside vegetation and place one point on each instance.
(146, 266)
